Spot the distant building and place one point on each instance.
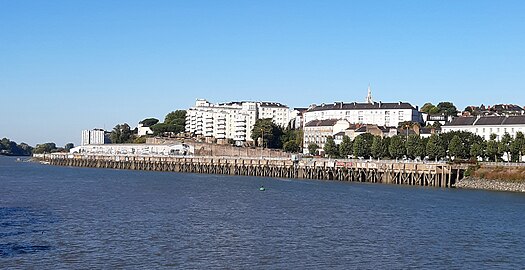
(180, 149)
(142, 130)
(232, 120)
(432, 119)
(495, 110)
(94, 136)
(370, 112)
(317, 131)
(484, 126)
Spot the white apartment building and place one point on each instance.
(484, 126)
(369, 112)
(232, 120)
(376, 113)
(94, 136)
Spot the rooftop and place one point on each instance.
(361, 106)
(488, 121)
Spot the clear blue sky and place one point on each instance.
(72, 65)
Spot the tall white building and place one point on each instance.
(94, 136)
(232, 120)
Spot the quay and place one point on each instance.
(432, 174)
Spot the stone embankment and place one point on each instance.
(499, 185)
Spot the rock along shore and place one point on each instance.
(499, 185)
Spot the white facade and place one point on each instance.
(94, 136)
(316, 132)
(380, 114)
(142, 130)
(135, 149)
(485, 126)
(233, 120)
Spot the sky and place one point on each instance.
(67, 65)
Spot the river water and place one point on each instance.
(80, 218)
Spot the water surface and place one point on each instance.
(77, 218)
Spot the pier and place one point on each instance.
(370, 171)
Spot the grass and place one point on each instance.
(511, 174)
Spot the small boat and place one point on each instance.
(262, 188)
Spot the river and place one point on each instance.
(81, 218)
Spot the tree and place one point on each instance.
(435, 149)
(376, 147)
(291, 135)
(68, 146)
(455, 148)
(427, 107)
(312, 148)
(121, 133)
(291, 146)
(492, 148)
(346, 147)
(447, 108)
(8, 147)
(44, 148)
(397, 147)
(148, 122)
(363, 145)
(518, 146)
(504, 145)
(174, 123)
(330, 149)
(476, 150)
(415, 146)
(268, 131)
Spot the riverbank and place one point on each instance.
(486, 184)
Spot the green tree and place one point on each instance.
(363, 145)
(291, 146)
(518, 146)
(492, 148)
(415, 146)
(455, 148)
(330, 149)
(397, 147)
(476, 150)
(376, 147)
(68, 146)
(427, 107)
(312, 148)
(44, 148)
(289, 135)
(148, 122)
(435, 149)
(174, 123)
(345, 148)
(121, 133)
(504, 144)
(268, 131)
(447, 108)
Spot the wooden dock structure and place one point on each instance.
(371, 171)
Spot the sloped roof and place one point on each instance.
(321, 123)
(362, 106)
(488, 121)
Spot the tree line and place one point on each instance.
(174, 123)
(457, 145)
